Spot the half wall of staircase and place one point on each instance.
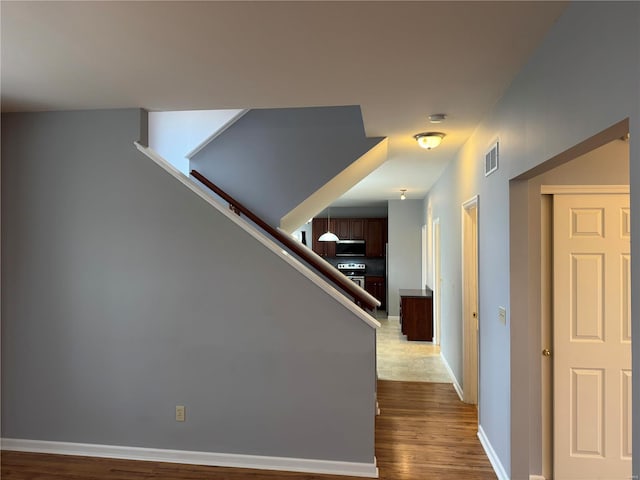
(126, 294)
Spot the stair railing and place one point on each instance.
(360, 297)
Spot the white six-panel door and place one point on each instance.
(592, 337)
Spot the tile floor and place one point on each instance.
(399, 359)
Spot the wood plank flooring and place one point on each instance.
(423, 432)
(426, 432)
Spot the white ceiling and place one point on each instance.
(400, 61)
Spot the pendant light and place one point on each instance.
(328, 236)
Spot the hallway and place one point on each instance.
(399, 359)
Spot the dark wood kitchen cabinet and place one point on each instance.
(343, 228)
(372, 230)
(350, 228)
(318, 227)
(357, 229)
(375, 286)
(416, 314)
(375, 236)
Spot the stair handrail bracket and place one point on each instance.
(361, 297)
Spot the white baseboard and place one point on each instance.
(194, 458)
(536, 477)
(493, 458)
(454, 380)
(393, 317)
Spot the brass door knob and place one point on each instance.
(546, 352)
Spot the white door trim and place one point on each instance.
(546, 328)
(470, 325)
(583, 189)
(472, 202)
(425, 260)
(436, 281)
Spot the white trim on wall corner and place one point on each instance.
(493, 457)
(217, 133)
(454, 380)
(393, 317)
(194, 458)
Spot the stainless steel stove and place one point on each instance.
(355, 272)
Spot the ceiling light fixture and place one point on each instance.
(437, 117)
(429, 140)
(402, 194)
(328, 236)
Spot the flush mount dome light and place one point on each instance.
(429, 140)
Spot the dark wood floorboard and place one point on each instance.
(424, 432)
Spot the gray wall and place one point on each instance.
(405, 221)
(124, 294)
(445, 200)
(583, 78)
(271, 160)
(356, 212)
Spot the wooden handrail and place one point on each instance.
(326, 269)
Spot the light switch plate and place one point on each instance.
(502, 315)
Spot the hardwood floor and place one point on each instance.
(423, 432)
(426, 432)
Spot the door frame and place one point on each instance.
(424, 256)
(546, 250)
(436, 281)
(470, 218)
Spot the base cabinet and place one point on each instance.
(375, 286)
(416, 314)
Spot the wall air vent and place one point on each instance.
(491, 160)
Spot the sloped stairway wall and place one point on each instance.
(272, 160)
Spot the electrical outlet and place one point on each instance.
(179, 413)
(502, 315)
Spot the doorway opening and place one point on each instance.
(531, 301)
(470, 321)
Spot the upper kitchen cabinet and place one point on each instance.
(350, 228)
(357, 229)
(372, 230)
(318, 227)
(375, 236)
